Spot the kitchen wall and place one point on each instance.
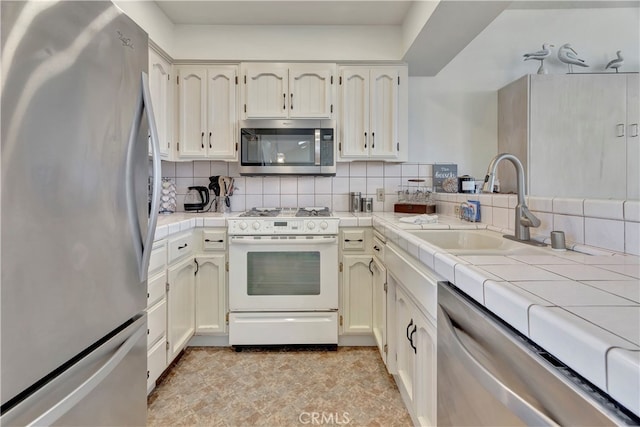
(453, 116)
(291, 191)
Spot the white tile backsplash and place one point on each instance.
(604, 233)
(358, 169)
(202, 169)
(632, 210)
(568, 206)
(632, 237)
(608, 224)
(610, 209)
(573, 227)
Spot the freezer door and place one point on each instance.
(105, 388)
(71, 78)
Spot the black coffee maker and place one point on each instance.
(196, 199)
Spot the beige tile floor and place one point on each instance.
(212, 386)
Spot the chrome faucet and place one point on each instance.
(524, 218)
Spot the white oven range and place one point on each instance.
(283, 277)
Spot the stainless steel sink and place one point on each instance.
(475, 242)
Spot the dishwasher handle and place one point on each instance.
(500, 391)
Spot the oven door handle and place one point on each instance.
(302, 241)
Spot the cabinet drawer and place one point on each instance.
(156, 322)
(353, 240)
(158, 259)
(156, 287)
(180, 247)
(377, 248)
(156, 362)
(213, 240)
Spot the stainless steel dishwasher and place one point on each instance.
(491, 375)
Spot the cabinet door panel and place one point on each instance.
(266, 92)
(221, 112)
(210, 294)
(405, 323)
(379, 309)
(357, 294)
(574, 136)
(310, 91)
(384, 113)
(181, 301)
(192, 89)
(354, 112)
(633, 140)
(426, 371)
(160, 88)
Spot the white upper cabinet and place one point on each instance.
(207, 112)
(288, 91)
(373, 113)
(569, 130)
(161, 98)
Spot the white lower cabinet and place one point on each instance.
(180, 306)
(416, 359)
(210, 296)
(379, 306)
(156, 314)
(412, 334)
(357, 294)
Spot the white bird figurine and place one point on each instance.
(616, 63)
(570, 57)
(540, 56)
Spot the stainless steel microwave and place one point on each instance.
(287, 147)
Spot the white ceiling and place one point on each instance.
(288, 12)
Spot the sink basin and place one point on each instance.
(475, 242)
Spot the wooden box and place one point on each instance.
(414, 208)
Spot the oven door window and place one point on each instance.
(278, 147)
(283, 273)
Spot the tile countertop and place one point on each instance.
(582, 308)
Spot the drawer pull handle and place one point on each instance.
(409, 327)
(182, 247)
(217, 241)
(376, 248)
(353, 240)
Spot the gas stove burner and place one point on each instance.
(305, 212)
(261, 212)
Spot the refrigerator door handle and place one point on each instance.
(143, 245)
(500, 391)
(53, 414)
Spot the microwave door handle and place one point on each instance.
(317, 145)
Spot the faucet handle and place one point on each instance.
(528, 219)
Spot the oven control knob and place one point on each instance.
(255, 225)
(311, 225)
(243, 225)
(324, 225)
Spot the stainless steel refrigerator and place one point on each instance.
(76, 233)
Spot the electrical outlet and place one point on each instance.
(380, 194)
(456, 210)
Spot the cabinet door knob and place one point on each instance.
(183, 246)
(210, 139)
(202, 140)
(620, 128)
(633, 130)
(284, 101)
(291, 105)
(365, 140)
(373, 140)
